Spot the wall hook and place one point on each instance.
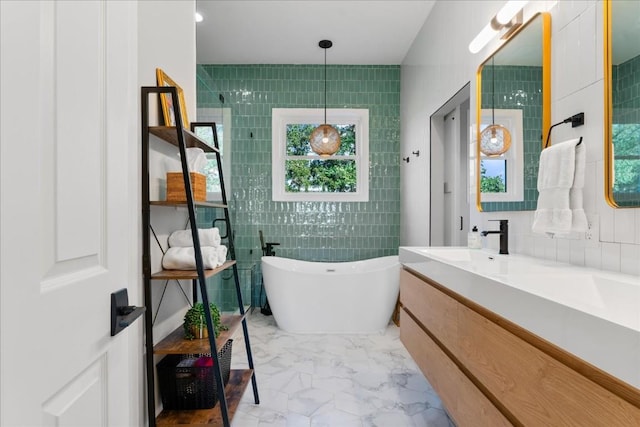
(416, 153)
(405, 159)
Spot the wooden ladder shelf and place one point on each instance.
(228, 396)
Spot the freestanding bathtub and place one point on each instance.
(331, 297)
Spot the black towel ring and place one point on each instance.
(575, 120)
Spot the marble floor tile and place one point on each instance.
(333, 380)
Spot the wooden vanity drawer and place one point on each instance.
(433, 309)
(533, 386)
(465, 403)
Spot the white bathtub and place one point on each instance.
(331, 297)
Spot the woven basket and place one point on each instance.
(175, 187)
(191, 387)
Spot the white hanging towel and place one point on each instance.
(184, 259)
(207, 236)
(560, 183)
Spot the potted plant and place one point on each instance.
(195, 325)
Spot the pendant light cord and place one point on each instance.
(493, 91)
(325, 86)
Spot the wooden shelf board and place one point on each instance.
(234, 390)
(189, 274)
(169, 134)
(175, 343)
(184, 204)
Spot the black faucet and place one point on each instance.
(268, 250)
(504, 235)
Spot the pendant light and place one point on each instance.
(325, 139)
(494, 139)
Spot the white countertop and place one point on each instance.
(591, 313)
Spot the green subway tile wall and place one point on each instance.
(626, 110)
(626, 91)
(519, 87)
(315, 231)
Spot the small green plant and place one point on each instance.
(194, 321)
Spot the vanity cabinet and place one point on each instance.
(463, 400)
(489, 371)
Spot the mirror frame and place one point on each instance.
(609, 178)
(546, 90)
(608, 107)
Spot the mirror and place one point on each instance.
(622, 103)
(513, 90)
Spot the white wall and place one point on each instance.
(166, 39)
(439, 64)
(435, 68)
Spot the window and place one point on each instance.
(626, 159)
(299, 174)
(493, 175)
(222, 118)
(501, 177)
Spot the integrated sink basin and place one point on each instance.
(460, 254)
(613, 296)
(455, 254)
(479, 261)
(588, 312)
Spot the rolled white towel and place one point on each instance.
(182, 238)
(221, 252)
(177, 258)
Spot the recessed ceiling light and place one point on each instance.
(199, 17)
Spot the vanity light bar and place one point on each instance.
(482, 38)
(502, 19)
(509, 11)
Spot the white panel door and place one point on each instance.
(68, 117)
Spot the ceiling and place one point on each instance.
(378, 32)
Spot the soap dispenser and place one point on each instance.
(473, 239)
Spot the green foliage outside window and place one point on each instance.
(491, 184)
(626, 140)
(314, 174)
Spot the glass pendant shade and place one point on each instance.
(495, 140)
(325, 139)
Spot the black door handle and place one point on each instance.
(122, 314)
